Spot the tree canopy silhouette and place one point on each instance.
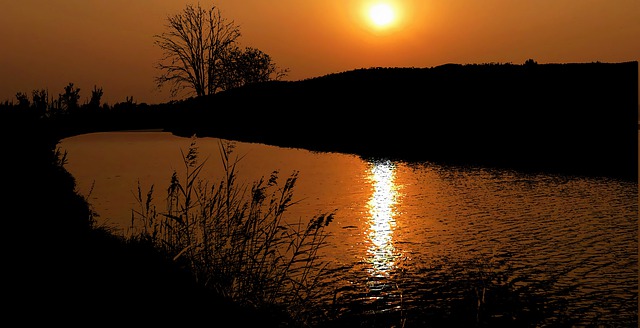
(247, 66)
(201, 54)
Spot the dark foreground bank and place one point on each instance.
(61, 268)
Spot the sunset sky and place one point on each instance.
(109, 43)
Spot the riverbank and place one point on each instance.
(571, 119)
(62, 268)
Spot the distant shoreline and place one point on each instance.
(565, 118)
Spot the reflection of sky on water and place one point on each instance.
(381, 252)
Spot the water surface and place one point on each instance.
(410, 239)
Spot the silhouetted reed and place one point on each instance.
(234, 238)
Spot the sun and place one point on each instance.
(382, 15)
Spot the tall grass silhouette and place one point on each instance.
(234, 237)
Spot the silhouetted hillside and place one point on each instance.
(569, 118)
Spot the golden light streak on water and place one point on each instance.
(381, 252)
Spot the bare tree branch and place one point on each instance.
(201, 56)
(194, 42)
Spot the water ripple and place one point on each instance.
(565, 249)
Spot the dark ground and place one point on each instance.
(60, 269)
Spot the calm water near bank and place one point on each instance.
(405, 235)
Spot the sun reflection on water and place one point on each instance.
(381, 252)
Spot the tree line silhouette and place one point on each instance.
(41, 104)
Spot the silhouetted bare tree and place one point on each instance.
(200, 53)
(196, 41)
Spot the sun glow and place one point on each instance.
(384, 17)
(382, 14)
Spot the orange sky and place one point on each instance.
(109, 43)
